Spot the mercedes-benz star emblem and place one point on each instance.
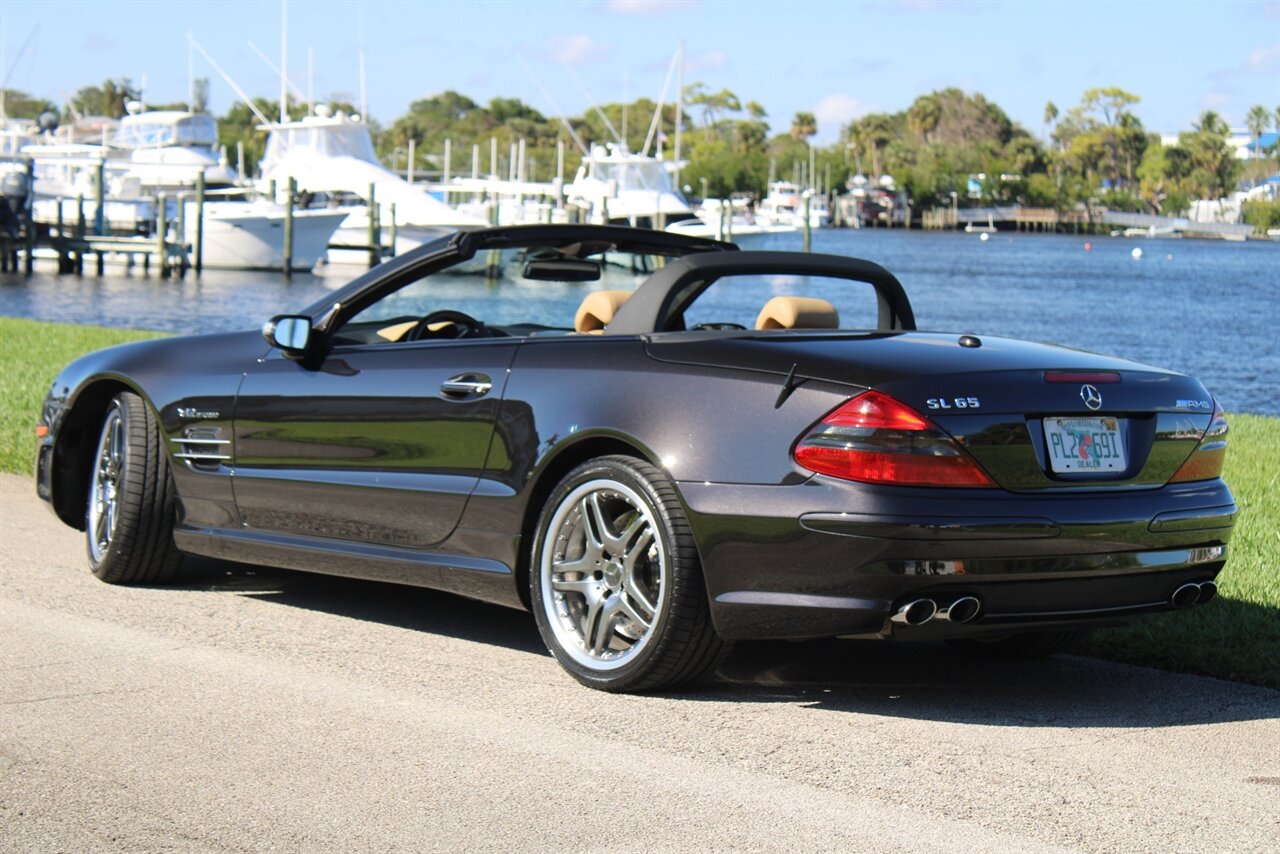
(1091, 397)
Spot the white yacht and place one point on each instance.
(614, 185)
(154, 152)
(332, 153)
(166, 150)
(784, 204)
(733, 221)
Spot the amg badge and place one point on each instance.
(953, 403)
(192, 412)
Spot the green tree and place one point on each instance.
(803, 126)
(923, 116)
(1214, 168)
(108, 100)
(712, 104)
(1050, 116)
(20, 105)
(1257, 120)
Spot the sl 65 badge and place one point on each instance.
(953, 403)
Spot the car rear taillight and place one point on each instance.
(1205, 462)
(876, 439)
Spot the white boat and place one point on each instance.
(614, 185)
(166, 151)
(718, 221)
(333, 154)
(989, 228)
(240, 235)
(783, 204)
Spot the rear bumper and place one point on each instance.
(826, 557)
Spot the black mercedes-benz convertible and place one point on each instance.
(747, 445)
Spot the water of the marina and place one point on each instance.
(1208, 308)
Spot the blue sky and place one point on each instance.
(836, 59)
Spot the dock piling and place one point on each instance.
(288, 228)
(29, 216)
(199, 247)
(392, 235)
(374, 236)
(162, 228)
(100, 198)
(80, 234)
(807, 226)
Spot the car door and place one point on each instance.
(377, 443)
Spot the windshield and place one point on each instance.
(329, 140)
(142, 132)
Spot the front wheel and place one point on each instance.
(615, 581)
(131, 509)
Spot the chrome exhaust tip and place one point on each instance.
(962, 610)
(915, 613)
(1208, 590)
(1185, 596)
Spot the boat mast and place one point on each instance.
(679, 112)
(364, 89)
(191, 75)
(284, 61)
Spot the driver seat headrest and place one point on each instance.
(597, 310)
(798, 313)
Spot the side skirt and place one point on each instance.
(474, 577)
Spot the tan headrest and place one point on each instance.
(798, 313)
(597, 310)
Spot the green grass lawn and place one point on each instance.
(1236, 636)
(31, 354)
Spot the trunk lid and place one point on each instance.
(1130, 429)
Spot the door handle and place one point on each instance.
(466, 385)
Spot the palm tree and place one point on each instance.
(1211, 122)
(1050, 116)
(803, 126)
(1257, 121)
(924, 115)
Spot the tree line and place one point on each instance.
(947, 147)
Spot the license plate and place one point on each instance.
(1085, 445)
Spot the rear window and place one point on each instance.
(739, 300)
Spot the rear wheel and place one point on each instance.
(616, 585)
(131, 509)
(1020, 646)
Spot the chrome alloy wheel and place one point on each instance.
(104, 497)
(603, 575)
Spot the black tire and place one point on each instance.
(131, 543)
(1021, 646)
(658, 633)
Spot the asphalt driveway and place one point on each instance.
(257, 709)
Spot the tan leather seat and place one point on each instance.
(597, 309)
(798, 313)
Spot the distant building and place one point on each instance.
(1240, 140)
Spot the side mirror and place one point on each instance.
(289, 332)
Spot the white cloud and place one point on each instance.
(649, 7)
(1264, 58)
(835, 111)
(576, 50)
